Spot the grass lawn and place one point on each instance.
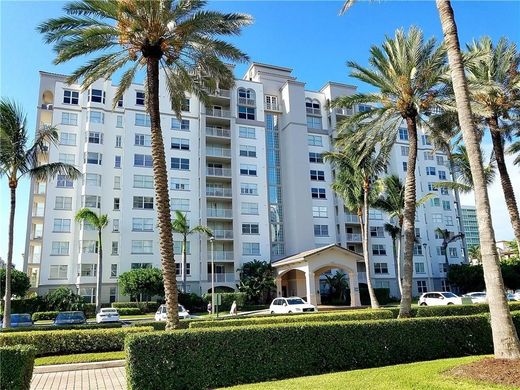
(417, 376)
(79, 358)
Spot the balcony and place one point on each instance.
(313, 111)
(218, 132)
(224, 192)
(48, 107)
(354, 237)
(343, 111)
(218, 112)
(223, 234)
(227, 277)
(351, 218)
(221, 93)
(212, 151)
(220, 213)
(222, 255)
(272, 106)
(219, 172)
(38, 212)
(246, 101)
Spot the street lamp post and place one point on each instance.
(211, 240)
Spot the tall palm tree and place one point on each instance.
(181, 225)
(99, 222)
(474, 253)
(395, 233)
(177, 36)
(408, 72)
(19, 159)
(505, 338)
(493, 76)
(514, 148)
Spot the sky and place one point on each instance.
(308, 37)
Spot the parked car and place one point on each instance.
(70, 318)
(439, 299)
(108, 314)
(513, 297)
(476, 297)
(160, 315)
(291, 305)
(19, 320)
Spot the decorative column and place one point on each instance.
(355, 300)
(311, 287)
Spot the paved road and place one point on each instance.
(101, 378)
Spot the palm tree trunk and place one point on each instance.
(509, 194)
(364, 232)
(398, 267)
(184, 261)
(409, 220)
(459, 207)
(99, 279)
(9, 265)
(505, 338)
(161, 193)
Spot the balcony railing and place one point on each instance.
(219, 192)
(222, 172)
(38, 212)
(218, 152)
(352, 218)
(218, 112)
(216, 132)
(343, 111)
(246, 101)
(221, 255)
(227, 277)
(220, 213)
(272, 106)
(223, 234)
(313, 111)
(47, 106)
(221, 92)
(353, 237)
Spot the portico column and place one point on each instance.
(310, 284)
(355, 300)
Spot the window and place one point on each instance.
(67, 139)
(119, 121)
(314, 122)
(179, 184)
(143, 202)
(186, 105)
(249, 228)
(58, 272)
(115, 249)
(117, 182)
(380, 268)
(315, 157)
(96, 96)
(247, 151)
(403, 134)
(377, 231)
(250, 248)
(116, 204)
(180, 204)
(88, 270)
(430, 171)
(375, 214)
(143, 181)
(117, 161)
(93, 158)
(440, 251)
(425, 140)
(143, 140)
(248, 189)
(446, 205)
(432, 187)
(182, 125)
(417, 232)
(405, 150)
(142, 224)
(318, 193)
(70, 97)
(364, 108)
(428, 156)
(248, 169)
(246, 113)
(63, 203)
(419, 268)
(69, 118)
(405, 166)
(143, 160)
(448, 220)
(63, 181)
(421, 286)
(435, 202)
(378, 250)
(115, 225)
(67, 158)
(453, 252)
(437, 218)
(142, 120)
(60, 248)
(417, 250)
(438, 235)
(89, 246)
(319, 211)
(247, 132)
(142, 246)
(317, 175)
(119, 141)
(61, 225)
(443, 268)
(321, 230)
(248, 208)
(440, 160)
(444, 191)
(88, 294)
(180, 143)
(178, 269)
(312, 106)
(177, 247)
(113, 270)
(182, 164)
(442, 175)
(140, 265)
(96, 117)
(139, 98)
(93, 179)
(314, 140)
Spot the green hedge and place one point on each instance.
(161, 325)
(63, 342)
(106, 325)
(145, 307)
(351, 315)
(211, 358)
(227, 300)
(44, 315)
(129, 311)
(16, 367)
(458, 310)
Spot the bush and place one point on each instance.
(63, 327)
(44, 315)
(230, 356)
(146, 307)
(64, 299)
(382, 295)
(63, 342)
(458, 310)
(227, 300)
(28, 305)
(20, 283)
(156, 325)
(129, 311)
(352, 315)
(192, 302)
(16, 367)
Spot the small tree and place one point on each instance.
(257, 281)
(338, 284)
(63, 299)
(20, 283)
(142, 281)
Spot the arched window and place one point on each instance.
(312, 106)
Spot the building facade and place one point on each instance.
(470, 223)
(249, 166)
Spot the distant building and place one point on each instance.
(469, 221)
(505, 250)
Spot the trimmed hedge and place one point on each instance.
(16, 367)
(161, 325)
(227, 300)
(129, 311)
(211, 358)
(353, 315)
(145, 307)
(458, 310)
(107, 325)
(63, 342)
(44, 315)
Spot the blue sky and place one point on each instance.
(307, 36)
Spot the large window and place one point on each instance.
(182, 164)
(92, 201)
(139, 98)
(453, 252)
(318, 193)
(246, 132)
(250, 248)
(143, 140)
(319, 211)
(248, 189)
(380, 268)
(321, 230)
(96, 96)
(177, 247)
(63, 181)
(142, 120)
(180, 204)
(113, 270)
(442, 175)
(63, 203)
(92, 179)
(403, 134)
(70, 97)
(117, 161)
(378, 250)
(446, 205)
(96, 117)
(181, 125)
(143, 160)
(68, 139)
(421, 286)
(88, 269)
(248, 151)
(248, 169)
(179, 184)
(314, 122)
(417, 249)
(377, 231)
(142, 224)
(430, 171)
(58, 272)
(93, 158)
(142, 246)
(61, 225)
(60, 248)
(314, 140)
(317, 175)
(246, 113)
(143, 202)
(437, 218)
(420, 268)
(315, 157)
(143, 181)
(248, 208)
(180, 143)
(67, 158)
(250, 228)
(69, 118)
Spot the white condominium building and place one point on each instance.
(249, 166)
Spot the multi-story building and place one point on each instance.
(249, 166)
(470, 223)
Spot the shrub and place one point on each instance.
(16, 367)
(44, 315)
(298, 318)
(230, 356)
(129, 311)
(227, 300)
(20, 283)
(458, 310)
(382, 295)
(64, 299)
(63, 342)
(90, 310)
(28, 305)
(63, 327)
(161, 325)
(191, 301)
(146, 307)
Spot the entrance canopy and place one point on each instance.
(299, 274)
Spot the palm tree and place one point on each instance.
(99, 222)
(181, 225)
(494, 85)
(447, 238)
(474, 253)
(338, 284)
(395, 233)
(177, 36)
(408, 72)
(505, 338)
(514, 148)
(18, 160)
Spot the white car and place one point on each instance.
(439, 299)
(476, 297)
(107, 314)
(160, 315)
(291, 305)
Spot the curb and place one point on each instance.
(78, 366)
